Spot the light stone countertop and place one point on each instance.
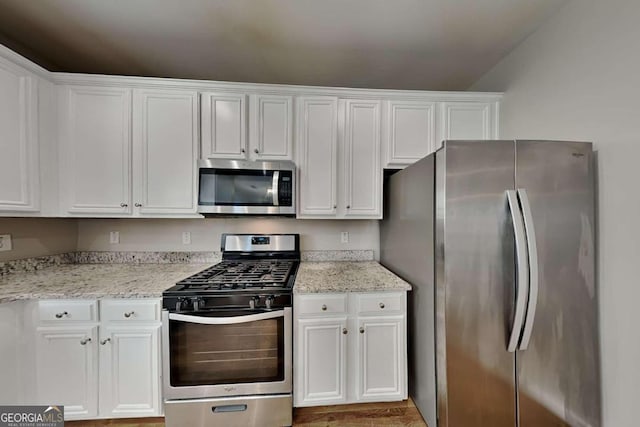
(93, 281)
(118, 280)
(326, 277)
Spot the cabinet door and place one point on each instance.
(410, 131)
(380, 374)
(19, 180)
(165, 130)
(320, 377)
(467, 120)
(67, 369)
(362, 171)
(224, 125)
(130, 371)
(271, 127)
(95, 148)
(317, 162)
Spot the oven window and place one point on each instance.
(226, 354)
(224, 187)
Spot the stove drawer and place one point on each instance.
(321, 304)
(127, 310)
(59, 311)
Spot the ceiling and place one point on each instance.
(399, 44)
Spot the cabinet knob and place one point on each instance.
(381, 305)
(335, 206)
(242, 150)
(324, 307)
(61, 315)
(129, 314)
(138, 205)
(256, 151)
(362, 329)
(344, 331)
(103, 342)
(123, 205)
(348, 207)
(85, 341)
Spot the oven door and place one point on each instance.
(226, 353)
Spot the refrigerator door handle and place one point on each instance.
(532, 249)
(522, 277)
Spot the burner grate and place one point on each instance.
(241, 275)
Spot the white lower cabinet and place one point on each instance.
(99, 369)
(129, 371)
(348, 350)
(67, 368)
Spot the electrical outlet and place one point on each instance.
(114, 237)
(186, 238)
(344, 237)
(5, 242)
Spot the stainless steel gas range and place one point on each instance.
(227, 336)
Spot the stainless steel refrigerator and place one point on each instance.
(498, 240)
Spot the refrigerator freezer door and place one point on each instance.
(558, 374)
(475, 284)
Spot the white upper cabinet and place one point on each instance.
(411, 131)
(95, 147)
(224, 125)
(19, 177)
(165, 140)
(271, 127)
(362, 171)
(467, 120)
(317, 155)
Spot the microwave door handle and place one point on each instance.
(522, 275)
(225, 320)
(274, 188)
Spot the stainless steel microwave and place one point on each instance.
(238, 187)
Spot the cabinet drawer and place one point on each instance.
(321, 304)
(67, 311)
(130, 310)
(381, 303)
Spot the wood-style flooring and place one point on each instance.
(394, 414)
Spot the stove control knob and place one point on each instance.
(253, 302)
(268, 301)
(198, 303)
(180, 305)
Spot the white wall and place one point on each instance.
(34, 237)
(578, 77)
(166, 234)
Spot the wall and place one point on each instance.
(166, 234)
(578, 77)
(33, 237)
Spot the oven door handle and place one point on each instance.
(225, 320)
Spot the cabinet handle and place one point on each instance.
(256, 151)
(85, 341)
(138, 205)
(344, 331)
(362, 329)
(381, 305)
(103, 342)
(129, 314)
(324, 307)
(123, 205)
(61, 315)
